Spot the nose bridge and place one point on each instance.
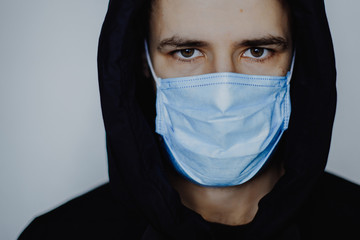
(223, 61)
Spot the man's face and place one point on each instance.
(192, 37)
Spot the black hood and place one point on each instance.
(135, 158)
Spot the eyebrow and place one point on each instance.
(179, 42)
(265, 41)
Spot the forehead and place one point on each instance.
(211, 18)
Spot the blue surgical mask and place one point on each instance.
(219, 129)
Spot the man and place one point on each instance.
(238, 37)
(229, 156)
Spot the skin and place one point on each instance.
(192, 37)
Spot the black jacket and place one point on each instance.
(139, 202)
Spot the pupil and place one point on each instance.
(187, 53)
(257, 52)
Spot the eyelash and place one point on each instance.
(258, 60)
(173, 54)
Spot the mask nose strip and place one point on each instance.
(224, 98)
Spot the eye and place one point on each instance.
(257, 53)
(187, 54)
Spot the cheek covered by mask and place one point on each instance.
(219, 129)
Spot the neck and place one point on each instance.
(235, 205)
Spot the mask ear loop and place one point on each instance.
(291, 67)
(157, 80)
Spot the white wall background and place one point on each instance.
(344, 20)
(51, 131)
(52, 145)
